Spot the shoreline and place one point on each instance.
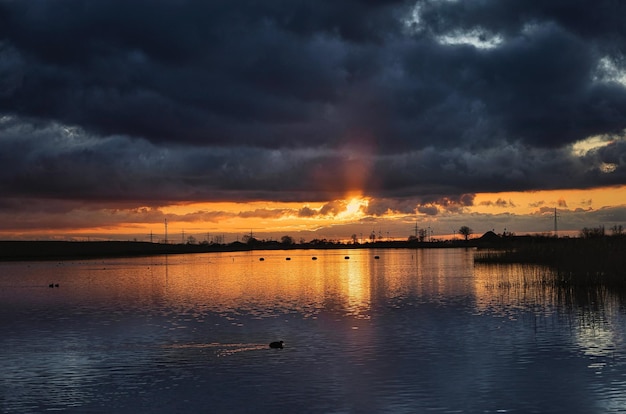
(74, 250)
(513, 248)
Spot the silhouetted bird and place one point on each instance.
(277, 344)
(51, 285)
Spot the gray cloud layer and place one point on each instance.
(155, 101)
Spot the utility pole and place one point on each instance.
(556, 234)
(165, 231)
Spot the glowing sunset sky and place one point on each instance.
(313, 119)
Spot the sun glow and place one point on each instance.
(354, 208)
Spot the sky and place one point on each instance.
(310, 119)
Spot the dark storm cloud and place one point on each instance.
(418, 101)
(191, 71)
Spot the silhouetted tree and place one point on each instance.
(248, 239)
(465, 231)
(286, 240)
(421, 234)
(592, 233)
(617, 230)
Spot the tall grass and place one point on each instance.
(576, 262)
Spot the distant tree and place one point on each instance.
(617, 230)
(466, 232)
(354, 238)
(592, 232)
(373, 236)
(421, 234)
(286, 240)
(248, 239)
(191, 240)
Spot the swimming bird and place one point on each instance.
(277, 344)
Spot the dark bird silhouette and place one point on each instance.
(277, 344)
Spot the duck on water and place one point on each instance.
(277, 344)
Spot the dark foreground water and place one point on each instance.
(414, 331)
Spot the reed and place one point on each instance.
(576, 262)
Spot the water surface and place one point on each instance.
(408, 332)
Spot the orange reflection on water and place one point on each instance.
(281, 283)
(232, 284)
(349, 282)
